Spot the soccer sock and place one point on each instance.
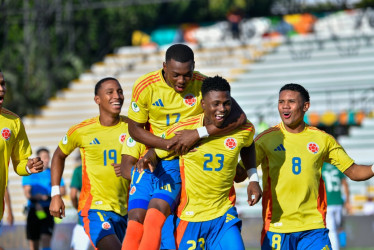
(153, 222)
(134, 233)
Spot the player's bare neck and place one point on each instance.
(109, 121)
(296, 129)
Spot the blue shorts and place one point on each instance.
(167, 234)
(164, 183)
(99, 224)
(310, 239)
(211, 234)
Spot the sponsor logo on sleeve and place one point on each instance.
(65, 139)
(135, 107)
(130, 142)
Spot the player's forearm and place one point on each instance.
(57, 167)
(359, 172)
(141, 135)
(74, 197)
(126, 164)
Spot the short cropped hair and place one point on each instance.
(298, 88)
(216, 83)
(180, 53)
(99, 83)
(40, 150)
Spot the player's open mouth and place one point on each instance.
(219, 117)
(286, 115)
(1, 99)
(117, 104)
(179, 88)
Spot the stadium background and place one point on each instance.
(330, 53)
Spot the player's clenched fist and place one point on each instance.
(57, 207)
(35, 165)
(254, 192)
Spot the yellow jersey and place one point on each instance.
(208, 170)
(14, 144)
(154, 101)
(100, 146)
(294, 196)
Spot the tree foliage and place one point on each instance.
(44, 44)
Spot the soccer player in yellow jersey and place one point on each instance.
(207, 217)
(14, 144)
(162, 98)
(102, 205)
(291, 155)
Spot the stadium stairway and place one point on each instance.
(74, 104)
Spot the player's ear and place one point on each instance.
(164, 66)
(97, 99)
(203, 104)
(306, 106)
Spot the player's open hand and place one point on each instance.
(117, 169)
(254, 192)
(186, 139)
(35, 165)
(149, 161)
(57, 207)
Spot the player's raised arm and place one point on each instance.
(57, 207)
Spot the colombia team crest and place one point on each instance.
(189, 100)
(230, 143)
(106, 225)
(132, 190)
(313, 147)
(6, 133)
(122, 138)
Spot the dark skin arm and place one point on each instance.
(125, 168)
(57, 206)
(254, 192)
(359, 172)
(241, 174)
(149, 161)
(74, 197)
(140, 134)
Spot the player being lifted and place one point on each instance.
(162, 98)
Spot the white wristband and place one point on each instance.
(252, 174)
(203, 132)
(28, 170)
(55, 190)
(372, 168)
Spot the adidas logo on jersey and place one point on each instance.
(158, 103)
(280, 148)
(229, 217)
(95, 141)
